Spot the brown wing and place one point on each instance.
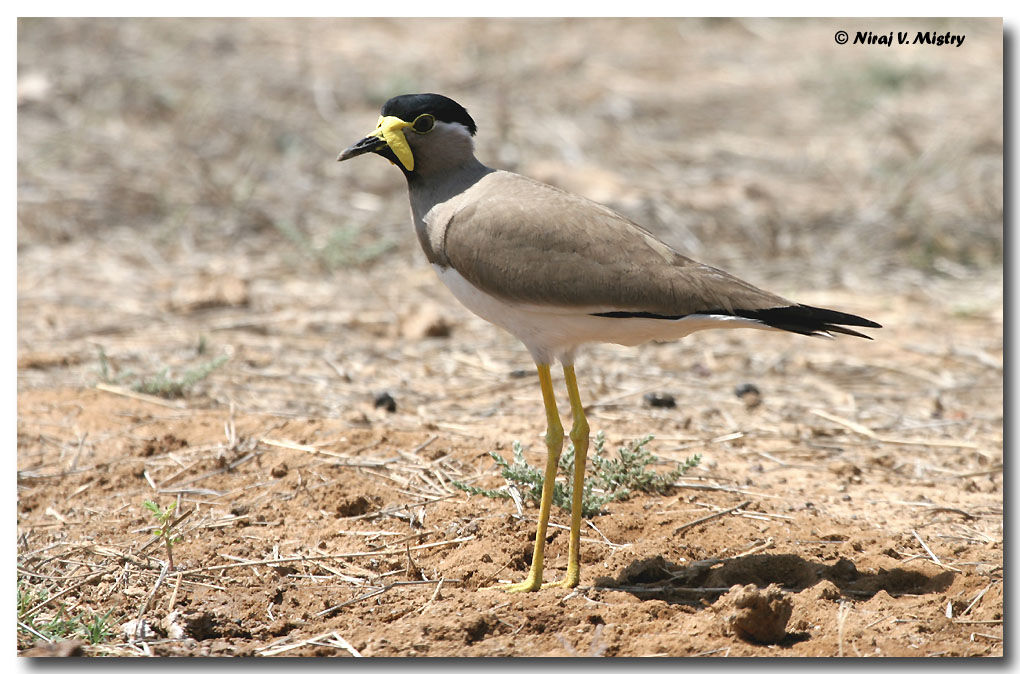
(526, 241)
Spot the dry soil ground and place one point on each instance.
(178, 206)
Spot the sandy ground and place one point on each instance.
(178, 204)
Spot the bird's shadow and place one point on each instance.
(702, 582)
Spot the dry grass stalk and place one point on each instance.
(764, 545)
(976, 599)
(344, 459)
(139, 623)
(702, 520)
(867, 432)
(432, 599)
(144, 397)
(376, 592)
(932, 555)
(841, 616)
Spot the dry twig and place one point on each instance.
(702, 520)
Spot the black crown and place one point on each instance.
(408, 106)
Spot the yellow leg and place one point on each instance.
(554, 445)
(579, 437)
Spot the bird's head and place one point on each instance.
(418, 128)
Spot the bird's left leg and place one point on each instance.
(554, 444)
(579, 438)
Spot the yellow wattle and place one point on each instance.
(391, 130)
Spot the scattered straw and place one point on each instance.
(867, 432)
(341, 555)
(317, 640)
(144, 397)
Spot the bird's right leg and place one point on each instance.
(579, 437)
(554, 445)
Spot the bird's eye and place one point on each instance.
(424, 123)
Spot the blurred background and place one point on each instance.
(186, 236)
(177, 180)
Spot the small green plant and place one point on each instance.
(104, 367)
(167, 386)
(163, 531)
(97, 629)
(88, 624)
(162, 384)
(28, 596)
(57, 626)
(612, 479)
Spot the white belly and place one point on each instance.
(552, 333)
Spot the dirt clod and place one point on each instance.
(69, 648)
(757, 615)
(208, 292)
(167, 443)
(824, 589)
(426, 321)
(357, 505)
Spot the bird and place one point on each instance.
(558, 271)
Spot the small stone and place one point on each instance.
(660, 400)
(385, 401)
(172, 628)
(750, 394)
(133, 631)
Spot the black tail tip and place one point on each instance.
(808, 320)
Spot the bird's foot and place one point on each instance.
(533, 584)
(530, 584)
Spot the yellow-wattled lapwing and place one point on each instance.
(557, 271)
